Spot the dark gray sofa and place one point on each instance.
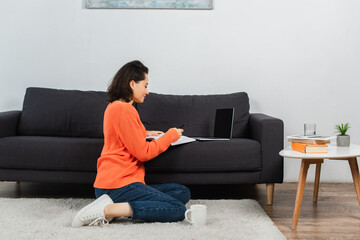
(57, 137)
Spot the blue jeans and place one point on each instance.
(154, 203)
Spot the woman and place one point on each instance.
(119, 185)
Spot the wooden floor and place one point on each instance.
(336, 215)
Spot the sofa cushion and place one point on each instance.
(161, 112)
(50, 153)
(80, 154)
(236, 155)
(71, 113)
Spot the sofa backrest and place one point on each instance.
(161, 112)
(74, 113)
(68, 113)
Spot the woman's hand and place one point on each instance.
(153, 133)
(179, 131)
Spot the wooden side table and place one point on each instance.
(334, 153)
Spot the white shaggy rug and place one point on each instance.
(36, 218)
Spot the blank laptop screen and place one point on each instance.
(224, 123)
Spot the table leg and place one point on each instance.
(355, 174)
(300, 191)
(317, 181)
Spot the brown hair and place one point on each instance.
(119, 87)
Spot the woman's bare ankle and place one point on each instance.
(118, 210)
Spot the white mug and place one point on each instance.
(198, 215)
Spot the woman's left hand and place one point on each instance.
(153, 133)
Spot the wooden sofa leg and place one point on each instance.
(270, 193)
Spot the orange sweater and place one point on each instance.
(125, 147)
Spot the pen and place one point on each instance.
(182, 126)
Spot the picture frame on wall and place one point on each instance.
(150, 4)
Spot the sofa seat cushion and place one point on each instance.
(236, 155)
(50, 153)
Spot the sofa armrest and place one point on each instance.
(269, 132)
(8, 123)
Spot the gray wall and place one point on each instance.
(297, 60)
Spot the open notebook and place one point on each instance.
(182, 140)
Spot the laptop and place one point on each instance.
(224, 122)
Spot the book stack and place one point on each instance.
(309, 144)
(309, 148)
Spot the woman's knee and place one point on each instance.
(185, 194)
